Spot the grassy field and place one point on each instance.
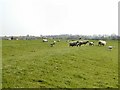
(34, 64)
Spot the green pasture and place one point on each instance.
(34, 64)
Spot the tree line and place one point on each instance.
(63, 36)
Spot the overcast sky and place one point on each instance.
(51, 17)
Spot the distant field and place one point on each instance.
(34, 64)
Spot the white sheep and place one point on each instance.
(101, 42)
(110, 47)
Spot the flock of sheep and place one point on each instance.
(81, 42)
(84, 42)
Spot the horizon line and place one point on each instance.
(64, 34)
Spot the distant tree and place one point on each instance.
(12, 38)
(113, 36)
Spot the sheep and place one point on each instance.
(45, 40)
(54, 41)
(110, 47)
(83, 42)
(91, 43)
(73, 43)
(52, 44)
(101, 43)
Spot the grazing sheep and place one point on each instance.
(101, 43)
(80, 43)
(77, 44)
(52, 44)
(83, 42)
(54, 41)
(73, 43)
(45, 40)
(110, 47)
(91, 43)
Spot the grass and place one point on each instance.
(34, 64)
